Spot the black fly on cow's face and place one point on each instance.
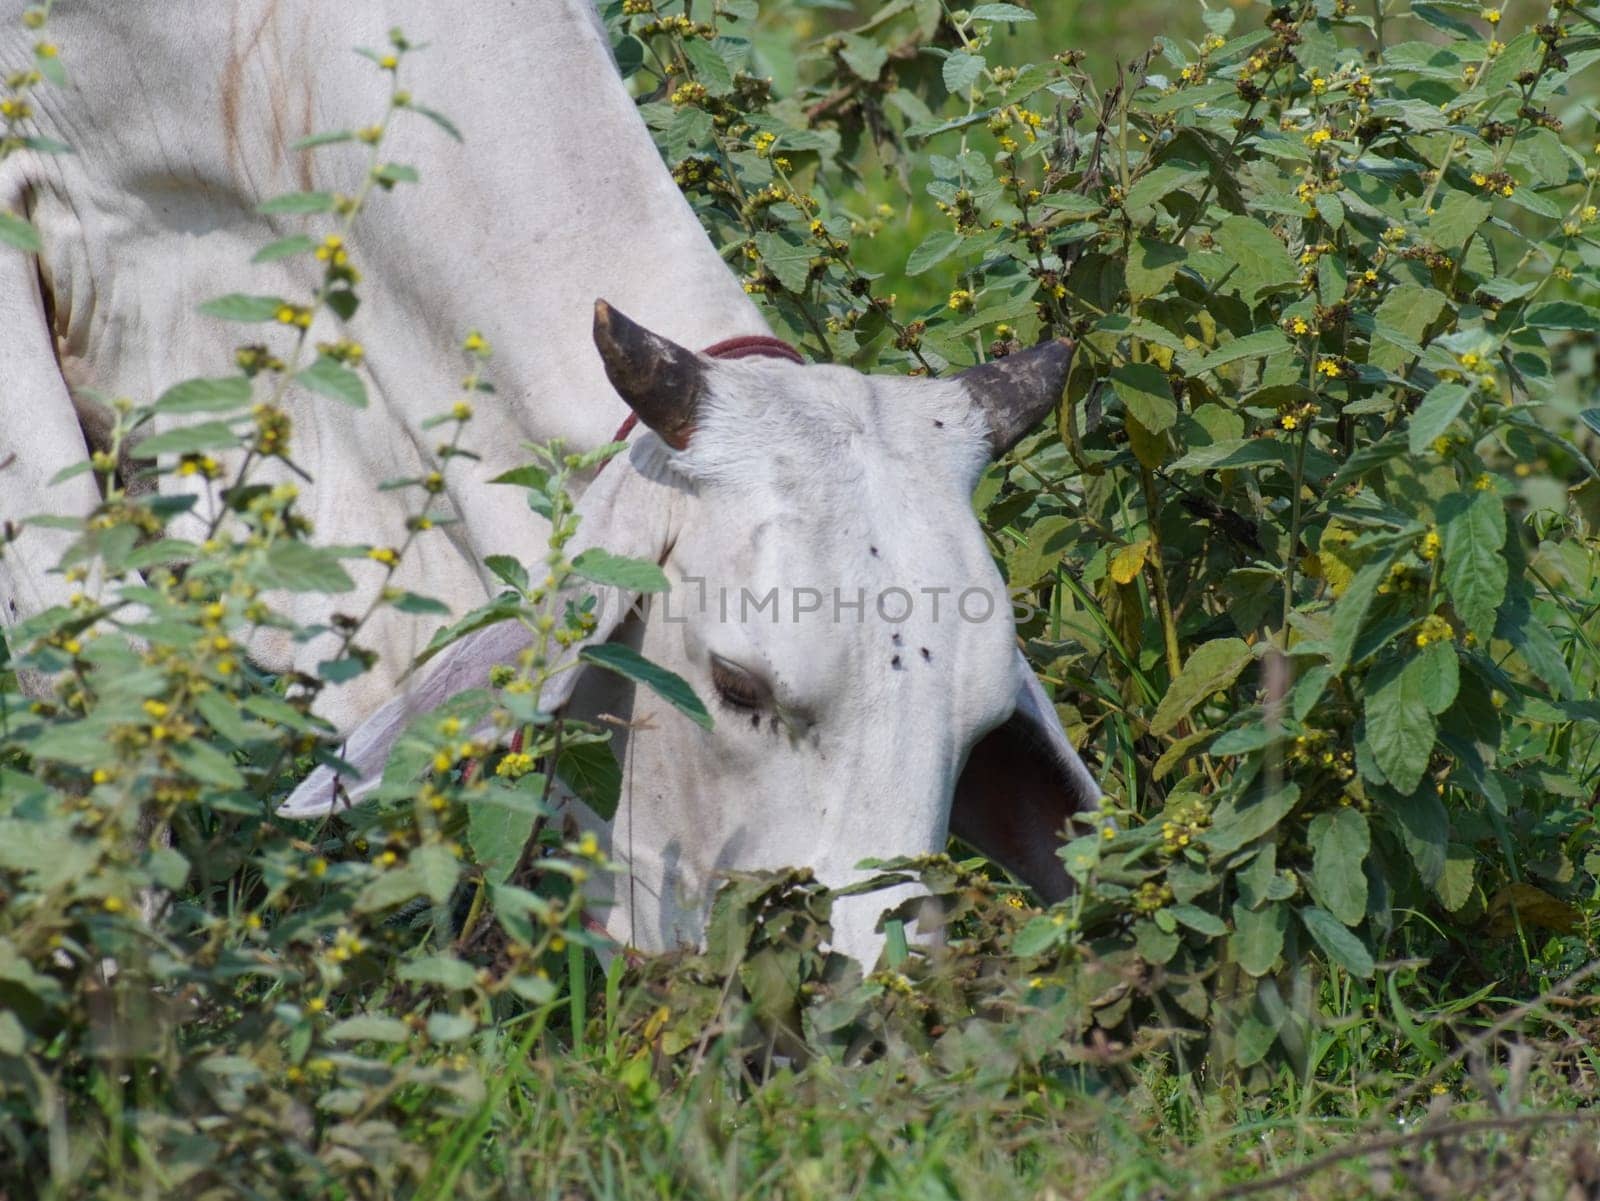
(738, 688)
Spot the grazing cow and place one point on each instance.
(869, 693)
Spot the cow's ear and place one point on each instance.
(623, 511)
(1022, 784)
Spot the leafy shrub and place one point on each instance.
(1309, 551)
(1302, 544)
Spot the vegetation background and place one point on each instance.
(1312, 545)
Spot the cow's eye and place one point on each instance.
(736, 686)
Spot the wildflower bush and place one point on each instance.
(1310, 548)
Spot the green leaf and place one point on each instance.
(1071, 204)
(1235, 452)
(238, 307)
(592, 772)
(1457, 219)
(1350, 611)
(1331, 209)
(1146, 392)
(1563, 314)
(415, 602)
(1039, 935)
(1000, 12)
(393, 173)
(619, 571)
(190, 439)
(207, 764)
(439, 119)
(326, 138)
(223, 715)
(1153, 943)
(1438, 674)
(1261, 262)
(328, 377)
(710, 68)
(499, 823)
(19, 232)
(369, 1028)
(1153, 186)
(1406, 312)
(284, 248)
(205, 395)
(530, 476)
(1435, 415)
(789, 261)
(864, 56)
(1425, 830)
(1261, 344)
(933, 249)
(1339, 842)
(1257, 938)
(1211, 667)
(441, 970)
(509, 570)
(1151, 265)
(1237, 823)
(961, 71)
(630, 664)
(1400, 729)
(450, 1027)
(298, 202)
(1455, 884)
(1473, 528)
(300, 567)
(1199, 920)
(1340, 945)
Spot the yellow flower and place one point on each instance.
(1317, 137)
(1429, 549)
(155, 708)
(1329, 368)
(383, 554)
(461, 411)
(389, 62)
(960, 300)
(1491, 15)
(474, 343)
(1434, 629)
(1319, 85)
(1300, 326)
(46, 50)
(113, 905)
(1288, 421)
(1589, 214)
(1484, 483)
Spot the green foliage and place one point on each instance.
(1326, 285)
(1310, 549)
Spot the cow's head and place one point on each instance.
(836, 604)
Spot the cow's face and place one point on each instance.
(836, 603)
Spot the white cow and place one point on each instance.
(841, 733)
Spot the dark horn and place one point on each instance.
(1015, 392)
(659, 379)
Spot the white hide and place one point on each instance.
(180, 114)
(797, 478)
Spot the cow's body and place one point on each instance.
(795, 478)
(181, 114)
